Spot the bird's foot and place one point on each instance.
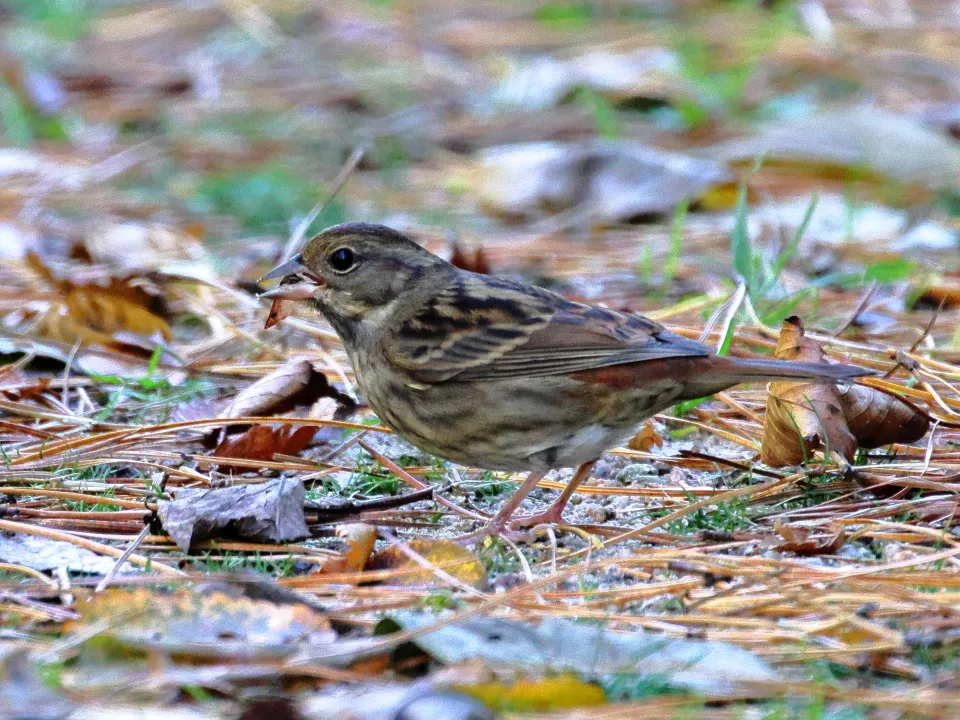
(491, 530)
(551, 518)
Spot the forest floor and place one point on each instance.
(199, 517)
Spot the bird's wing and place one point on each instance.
(482, 328)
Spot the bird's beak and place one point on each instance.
(293, 266)
(293, 291)
(297, 283)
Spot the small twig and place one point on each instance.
(861, 306)
(350, 442)
(419, 484)
(108, 578)
(334, 513)
(730, 463)
(929, 327)
(65, 396)
(296, 237)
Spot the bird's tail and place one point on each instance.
(763, 369)
(714, 374)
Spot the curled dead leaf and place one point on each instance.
(798, 540)
(360, 539)
(474, 260)
(805, 416)
(802, 416)
(263, 512)
(646, 439)
(113, 315)
(877, 419)
(262, 442)
(445, 555)
(296, 384)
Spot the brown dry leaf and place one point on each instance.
(646, 439)
(100, 315)
(261, 442)
(262, 512)
(802, 416)
(946, 292)
(824, 415)
(453, 559)
(797, 540)
(219, 623)
(550, 693)
(296, 384)
(911, 152)
(877, 419)
(280, 309)
(360, 539)
(607, 181)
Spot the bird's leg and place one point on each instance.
(498, 523)
(554, 514)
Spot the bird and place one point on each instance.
(498, 374)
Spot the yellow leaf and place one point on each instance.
(360, 539)
(201, 622)
(553, 693)
(442, 554)
(95, 314)
(645, 439)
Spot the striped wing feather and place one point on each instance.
(483, 328)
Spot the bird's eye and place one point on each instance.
(342, 260)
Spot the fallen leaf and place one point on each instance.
(606, 180)
(284, 307)
(263, 512)
(114, 315)
(203, 622)
(649, 74)
(360, 539)
(445, 555)
(798, 540)
(877, 419)
(44, 554)
(136, 246)
(646, 439)
(296, 384)
(558, 645)
(944, 292)
(558, 692)
(475, 261)
(802, 416)
(262, 442)
(910, 152)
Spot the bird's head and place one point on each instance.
(356, 272)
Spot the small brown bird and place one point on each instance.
(498, 374)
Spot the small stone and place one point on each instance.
(600, 514)
(639, 474)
